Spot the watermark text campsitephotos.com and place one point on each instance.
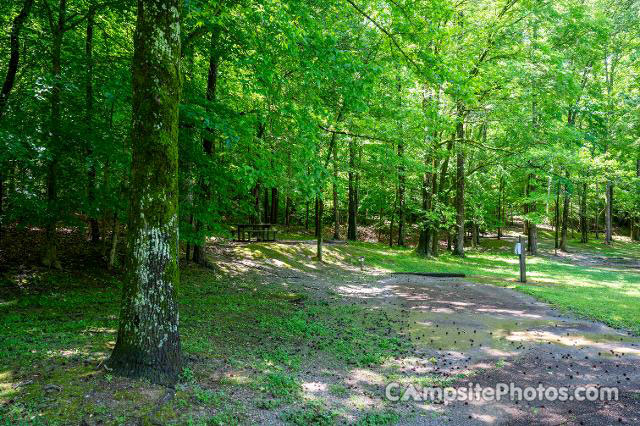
(502, 391)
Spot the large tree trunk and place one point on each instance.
(353, 209)
(148, 343)
(565, 218)
(50, 257)
(91, 173)
(584, 227)
(459, 235)
(401, 191)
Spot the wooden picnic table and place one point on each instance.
(247, 232)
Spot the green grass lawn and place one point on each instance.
(62, 326)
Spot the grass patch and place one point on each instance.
(312, 413)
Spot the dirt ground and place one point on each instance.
(501, 336)
(481, 334)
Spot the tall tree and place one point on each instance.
(148, 343)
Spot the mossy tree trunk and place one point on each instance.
(148, 343)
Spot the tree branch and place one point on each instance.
(354, 135)
(387, 33)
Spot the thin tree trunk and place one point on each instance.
(50, 257)
(287, 211)
(187, 254)
(393, 218)
(459, 241)
(114, 242)
(532, 240)
(9, 80)
(148, 342)
(256, 204)
(91, 173)
(596, 215)
(435, 238)
(424, 242)
(14, 57)
(352, 225)
(584, 227)
(274, 205)
(306, 221)
(565, 217)
(317, 218)
(557, 216)
(608, 213)
(474, 234)
(336, 211)
(208, 146)
(319, 207)
(401, 191)
(266, 207)
(500, 190)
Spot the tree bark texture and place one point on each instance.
(148, 343)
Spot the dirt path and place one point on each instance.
(464, 332)
(496, 335)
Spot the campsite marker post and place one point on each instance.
(523, 266)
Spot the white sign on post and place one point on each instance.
(518, 249)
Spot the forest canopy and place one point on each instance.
(415, 118)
